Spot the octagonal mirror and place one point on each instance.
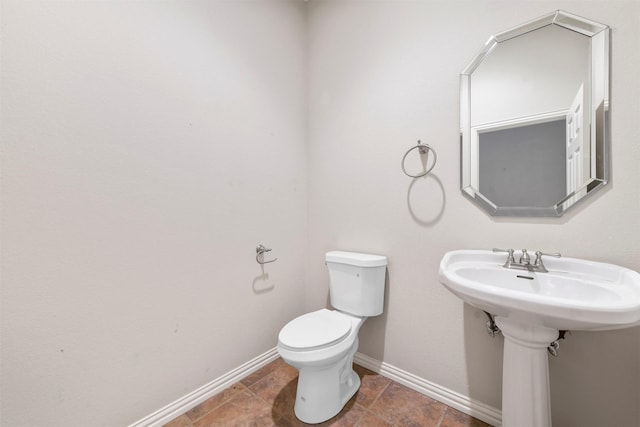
(534, 117)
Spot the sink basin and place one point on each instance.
(530, 309)
(574, 295)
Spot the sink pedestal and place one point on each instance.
(574, 294)
(525, 374)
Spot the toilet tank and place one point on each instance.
(356, 282)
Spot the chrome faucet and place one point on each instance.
(524, 263)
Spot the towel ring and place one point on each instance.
(423, 149)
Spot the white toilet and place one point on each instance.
(321, 344)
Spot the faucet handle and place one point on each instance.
(539, 256)
(538, 262)
(510, 259)
(510, 251)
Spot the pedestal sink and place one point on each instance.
(530, 308)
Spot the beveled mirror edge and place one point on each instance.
(578, 23)
(527, 27)
(601, 88)
(477, 59)
(598, 32)
(561, 18)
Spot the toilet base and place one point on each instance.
(324, 390)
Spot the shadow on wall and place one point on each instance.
(373, 331)
(261, 284)
(483, 356)
(615, 386)
(426, 202)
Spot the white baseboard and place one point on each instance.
(463, 403)
(196, 397)
(451, 398)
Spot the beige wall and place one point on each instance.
(147, 148)
(384, 74)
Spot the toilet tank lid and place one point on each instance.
(356, 258)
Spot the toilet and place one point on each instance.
(321, 344)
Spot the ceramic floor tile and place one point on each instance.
(264, 371)
(266, 398)
(244, 409)
(370, 420)
(214, 401)
(181, 421)
(372, 385)
(348, 417)
(402, 406)
(278, 389)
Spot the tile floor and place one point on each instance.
(266, 398)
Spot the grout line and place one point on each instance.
(257, 396)
(357, 423)
(224, 402)
(450, 398)
(381, 392)
(444, 412)
(362, 415)
(378, 416)
(241, 388)
(187, 402)
(265, 375)
(378, 397)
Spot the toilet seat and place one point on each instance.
(315, 330)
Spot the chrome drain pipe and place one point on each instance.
(493, 330)
(555, 346)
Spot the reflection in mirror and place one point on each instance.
(534, 117)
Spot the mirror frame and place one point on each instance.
(599, 115)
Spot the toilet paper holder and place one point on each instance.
(260, 250)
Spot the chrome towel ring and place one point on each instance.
(260, 250)
(423, 149)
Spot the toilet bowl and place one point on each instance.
(322, 344)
